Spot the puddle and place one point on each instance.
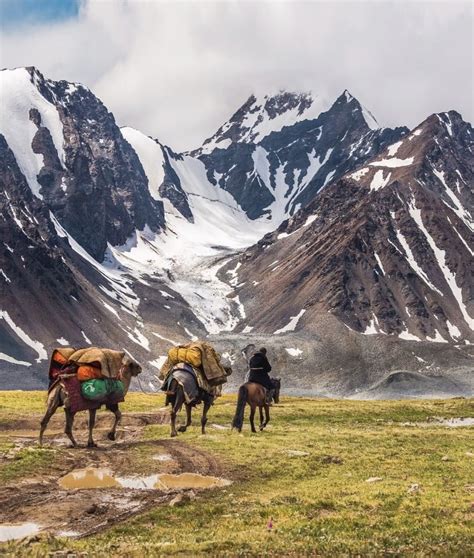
(89, 478)
(104, 478)
(191, 480)
(9, 532)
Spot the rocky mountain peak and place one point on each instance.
(261, 115)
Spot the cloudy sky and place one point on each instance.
(178, 69)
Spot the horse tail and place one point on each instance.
(239, 411)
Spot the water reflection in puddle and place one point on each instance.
(104, 478)
(89, 478)
(9, 532)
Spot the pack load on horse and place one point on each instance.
(192, 374)
(86, 379)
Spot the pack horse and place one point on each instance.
(86, 379)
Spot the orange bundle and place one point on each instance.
(59, 358)
(86, 372)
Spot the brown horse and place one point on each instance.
(255, 395)
(177, 398)
(57, 397)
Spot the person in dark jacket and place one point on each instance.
(259, 367)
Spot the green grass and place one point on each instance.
(320, 504)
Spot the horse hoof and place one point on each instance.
(111, 436)
(182, 429)
(173, 434)
(91, 445)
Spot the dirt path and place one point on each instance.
(79, 513)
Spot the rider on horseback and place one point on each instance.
(259, 367)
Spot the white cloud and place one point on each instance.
(177, 70)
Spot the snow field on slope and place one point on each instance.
(440, 256)
(37, 346)
(17, 96)
(187, 256)
(260, 124)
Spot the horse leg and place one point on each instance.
(90, 441)
(53, 404)
(252, 417)
(118, 417)
(260, 409)
(188, 418)
(204, 417)
(178, 403)
(267, 417)
(69, 424)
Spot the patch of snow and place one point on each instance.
(63, 342)
(357, 175)
(294, 352)
(151, 157)
(378, 180)
(291, 325)
(393, 163)
(18, 95)
(328, 178)
(440, 256)
(371, 329)
(8, 358)
(37, 346)
(417, 132)
(460, 211)
(190, 334)
(247, 329)
(438, 338)
(392, 150)
(166, 295)
(4, 275)
(137, 337)
(158, 362)
(260, 124)
(86, 339)
(164, 338)
(453, 330)
(413, 264)
(379, 262)
(408, 336)
(310, 220)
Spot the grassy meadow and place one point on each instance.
(330, 477)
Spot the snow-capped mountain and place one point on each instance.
(387, 249)
(110, 237)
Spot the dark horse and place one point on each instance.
(254, 394)
(176, 397)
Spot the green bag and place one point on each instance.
(99, 390)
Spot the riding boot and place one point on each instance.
(269, 396)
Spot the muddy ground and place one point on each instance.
(80, 513)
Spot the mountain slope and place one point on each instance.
(386, 249)
(273, 170)
(111, 238)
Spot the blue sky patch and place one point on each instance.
(16, 13)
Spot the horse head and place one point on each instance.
(130, 367)
(276, 386)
